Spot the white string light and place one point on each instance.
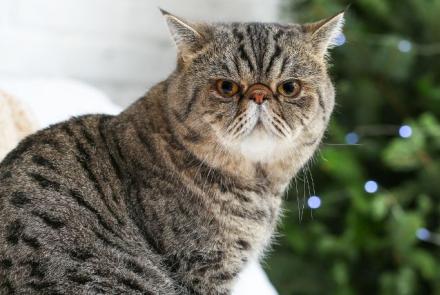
(371, 186)
(340, 40)
(352, 138)
(314, 202)
(404, 46)
(405, 131)
(425, 235)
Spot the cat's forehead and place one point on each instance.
(259, 30)
(263, 50)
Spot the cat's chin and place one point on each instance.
(263, 146)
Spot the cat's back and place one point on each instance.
(64, 226)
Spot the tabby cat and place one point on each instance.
(178, 192)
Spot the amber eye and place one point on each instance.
(227, 88)
(289, 88)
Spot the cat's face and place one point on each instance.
(252, 88)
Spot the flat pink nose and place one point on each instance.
(258, 93)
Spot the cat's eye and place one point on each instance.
(227, 88)
(289, 88)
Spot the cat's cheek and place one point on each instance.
(216, 98)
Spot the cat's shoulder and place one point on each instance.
(57, 137)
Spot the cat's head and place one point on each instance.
(257, 89)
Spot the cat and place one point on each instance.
(179, 191)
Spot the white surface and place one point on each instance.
(54, 100)
(253, 281)
(121, 46)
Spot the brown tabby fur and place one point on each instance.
(178, 192)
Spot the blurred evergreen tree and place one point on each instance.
(365, 239)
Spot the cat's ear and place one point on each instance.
(324, 33)
(186, 36)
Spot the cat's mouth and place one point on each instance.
(258, 119)
(268, 122)
(259, 124)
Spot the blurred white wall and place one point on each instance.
(120, 46)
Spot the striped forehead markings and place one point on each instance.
(257, 39)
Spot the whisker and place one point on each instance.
(342, 144)
(275, 128)
(236, 121)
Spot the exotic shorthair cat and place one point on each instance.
(178, 192)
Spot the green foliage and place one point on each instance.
(356, 242)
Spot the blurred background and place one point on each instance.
(364, 216)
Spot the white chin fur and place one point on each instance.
(262, 146)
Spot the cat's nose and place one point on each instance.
(258, 93)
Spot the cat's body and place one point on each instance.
(155, 201)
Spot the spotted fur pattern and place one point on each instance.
(177, 193)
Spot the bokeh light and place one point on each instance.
(405, 131)
(340, 39)
(314, 202)
(352, 138)
(404, 46)
(371, 186)
(423, 234)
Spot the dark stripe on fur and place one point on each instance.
(50, 220)
(132, 284)
(321, 101)
(113, 163)
(283, 65)
(226, 68)
(134, 266)
(256, 215)
(274, 56)
(80, 254)
(19, 199)
(224, 276)
(277, 35)
(190, 103)
(8, 287)
(85, 133)
(138, 215)
(37, 270)
(243, 245)
(192, 136)
(45, 183)
(102, 132)
(43, 162)
(31, 241)
(81, 279)
(145, 142)
(14, 231)
(241, 196)
(16, 154)
(111, 244)
(6, 175)
(6, 263)
(244, 56)
(237, 34)
(52, 143)
(84, 159)
(237, 65)
(253, 47)
(312, 142)
(40, 286)
(77, 196)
